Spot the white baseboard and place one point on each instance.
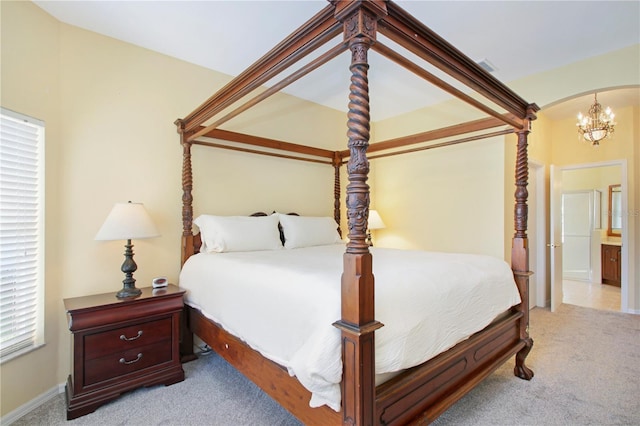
(32, 405)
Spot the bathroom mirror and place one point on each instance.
(614, 228)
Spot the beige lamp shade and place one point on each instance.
(127, 221)
(375, 221)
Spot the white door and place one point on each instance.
(555, 244)
(577, 223)
(532, 234)
(536, 229)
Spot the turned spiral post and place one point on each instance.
(358, 134)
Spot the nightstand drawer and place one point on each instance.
(125, 362)
(127, 338)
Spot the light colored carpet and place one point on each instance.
(587, 372)
(586, 364)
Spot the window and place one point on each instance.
(21, 234)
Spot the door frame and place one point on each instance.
(624, 288)
(539, 213)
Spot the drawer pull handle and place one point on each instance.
(128, 339)
(124, 361)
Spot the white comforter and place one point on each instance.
(283, 304)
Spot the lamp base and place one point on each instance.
(128, 267)
(126, 292)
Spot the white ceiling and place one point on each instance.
(519, 38)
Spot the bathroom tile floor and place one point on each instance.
(590, 295)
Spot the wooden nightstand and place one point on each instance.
(119, 345)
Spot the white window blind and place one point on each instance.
(21, 234)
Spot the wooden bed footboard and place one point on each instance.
(418, 395)
(272, 378)
(424, 392)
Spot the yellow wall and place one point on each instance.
(623, 147)
(420, 208)
(568, 149)
(30, 85)
(598, 178)
(556, 143)
(614, 69)
(109, 109)
(447, 199)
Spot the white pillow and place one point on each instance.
(308, 231)
(238, 233)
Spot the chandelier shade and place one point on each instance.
(597, 125)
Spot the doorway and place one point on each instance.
(585, 177)
(536, 230)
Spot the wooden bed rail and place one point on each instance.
(269, 144)
(397, 25)
(333, 156)
(413, 35)
(443, 144)
(311, 35)
(432, 135)
(427, 76)
(326, 57)
(254, 151)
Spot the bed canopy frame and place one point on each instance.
(423, 392)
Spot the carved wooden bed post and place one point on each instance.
(336, 162)
(358, 320)
(520, 244)
(187, 197)
(187, 244)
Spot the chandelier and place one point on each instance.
(597, 124)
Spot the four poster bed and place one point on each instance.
(421, 390)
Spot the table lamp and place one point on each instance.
(128, 221)
(374, 222)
